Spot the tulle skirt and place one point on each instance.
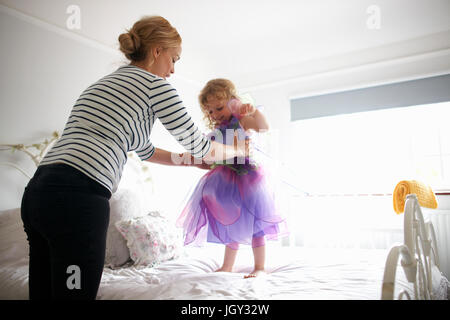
(228, 207)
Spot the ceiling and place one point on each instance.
(250, 40)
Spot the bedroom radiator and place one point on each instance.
(441, 224)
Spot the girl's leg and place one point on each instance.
(229, 258)
(259, 253)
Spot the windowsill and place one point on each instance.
(443, 198)
(438, 193)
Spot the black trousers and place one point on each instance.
(65, 216)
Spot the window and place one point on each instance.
(348, 150)
(349, 165)
(370, 152)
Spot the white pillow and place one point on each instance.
(13, 239)
(151, 239)
(132, 198)
(440, 284)
(124, 204)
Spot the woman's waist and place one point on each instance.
(60, 176)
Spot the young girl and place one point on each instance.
(232, 203)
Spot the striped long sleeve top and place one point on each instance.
(115, 115)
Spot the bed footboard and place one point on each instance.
(418, 254)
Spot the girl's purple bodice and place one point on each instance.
(225, 134)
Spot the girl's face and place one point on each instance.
(217, 109)
(164, 63)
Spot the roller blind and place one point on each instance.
(401, 94)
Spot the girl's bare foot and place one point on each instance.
(224, 269)
(255, 273)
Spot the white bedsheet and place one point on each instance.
(293, 273)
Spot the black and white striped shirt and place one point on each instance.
(115, 115)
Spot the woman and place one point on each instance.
(65, 206)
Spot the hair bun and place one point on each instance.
(129, 44)
(136, 40)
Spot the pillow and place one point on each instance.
(151, 239)
(13, 239)
(124, 204)
(440, 284)
(132, 198)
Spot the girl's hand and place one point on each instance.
(246, 110)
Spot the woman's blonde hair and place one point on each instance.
(146, 34)
(221, 89)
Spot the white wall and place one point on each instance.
(44, 70)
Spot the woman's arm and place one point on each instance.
(170, 110)
(220, 152)
(168, 158)
(217, 152)
(164, 157)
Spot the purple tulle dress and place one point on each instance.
(232, 203)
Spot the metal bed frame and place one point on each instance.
(418, 254)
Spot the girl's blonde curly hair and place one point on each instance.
(221, 89)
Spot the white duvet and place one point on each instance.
(293, 273)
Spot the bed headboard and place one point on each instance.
(35, 151)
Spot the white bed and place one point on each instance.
(294, 273)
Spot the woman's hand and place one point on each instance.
(189, 160)
(203, 166)
(168, 158)
(242, 147)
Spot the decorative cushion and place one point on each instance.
(151, 239)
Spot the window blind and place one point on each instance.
(401, 94)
